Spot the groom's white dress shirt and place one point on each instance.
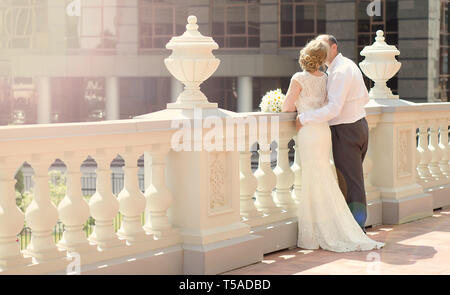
(347, 95)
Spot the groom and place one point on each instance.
(347, 95)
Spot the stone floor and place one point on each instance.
(419, 247)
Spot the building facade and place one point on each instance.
(88, 60)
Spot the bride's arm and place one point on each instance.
(291, 96)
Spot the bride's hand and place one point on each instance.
(298, 124)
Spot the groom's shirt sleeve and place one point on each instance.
(338, 88)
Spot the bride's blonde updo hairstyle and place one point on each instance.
(313, 55)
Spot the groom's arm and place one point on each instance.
(338, 88)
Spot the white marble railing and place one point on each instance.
(40, 146)
(404, 181)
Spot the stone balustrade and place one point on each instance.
(40, 146)
(406, 176)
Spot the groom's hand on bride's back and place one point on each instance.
(298, 124)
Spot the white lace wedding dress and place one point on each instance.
(324, 219)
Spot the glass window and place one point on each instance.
(159, 21)
(235, 23)
(222, 91)
(300, 21)
(23, 24)
(95, 27)
(139, 96)
(17, 101)
(367, 27)
(443, 60)
(77, 99)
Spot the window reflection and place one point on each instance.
(235, 24)
(300, 21)
(23, 24)
(159, 21)
(95, 27)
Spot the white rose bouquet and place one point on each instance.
(272, 101)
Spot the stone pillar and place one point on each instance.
(394, 173)
(341, 23)
(112, 98)
(245, 94)
(44, 100)
(418, 41)
(204, 184)
(434, 36)
(269, 13)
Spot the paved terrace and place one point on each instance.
(419, 247)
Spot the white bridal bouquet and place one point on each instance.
(272, 101)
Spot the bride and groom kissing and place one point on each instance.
(331, 117)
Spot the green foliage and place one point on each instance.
(19, 186)
(57, 187)
(57, 190)
(23, 200)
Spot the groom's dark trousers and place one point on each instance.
(350, 143)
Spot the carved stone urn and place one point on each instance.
(192, 62)
(380, 65)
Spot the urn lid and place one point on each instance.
(192, 37)
(379, 46)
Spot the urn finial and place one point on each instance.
(380, 36)
(380, 65)
(192, 62)
(192, 23)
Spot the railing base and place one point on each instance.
(279, 235)
(374, 212)
(398, 211)
(167, 261)
(222, 256)
(441, 195)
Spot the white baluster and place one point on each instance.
(435, 151)
(443, 145)
(284, 175)
(11, 218)
(248, 185)
(297, 169)
(73, 209)
(132, 201)
(104, 206)
(424, 172)
(159, 198)
(266, 181)
(41, 215)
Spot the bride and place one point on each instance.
(324, 218)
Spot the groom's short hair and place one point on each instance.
(331, 39)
